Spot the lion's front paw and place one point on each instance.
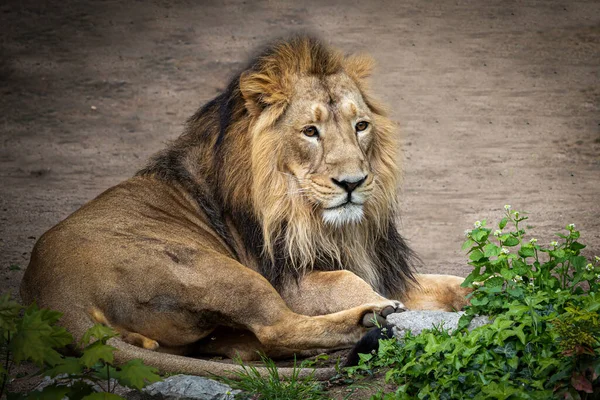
(378, 312)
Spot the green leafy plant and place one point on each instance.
(544, 338)
(273, 386)
(31, 334)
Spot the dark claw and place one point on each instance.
(371, 320)
(387, 311)
(367, 320)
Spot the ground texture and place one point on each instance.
(497, 101)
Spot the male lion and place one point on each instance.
(268, 225)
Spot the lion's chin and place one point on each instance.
(346, 214)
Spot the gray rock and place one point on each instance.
(416, 321)
(184, 387)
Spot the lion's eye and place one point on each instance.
(311, 131)
(361, 126)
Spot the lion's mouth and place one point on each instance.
(343, 205)
(347, 212)
(339, 206)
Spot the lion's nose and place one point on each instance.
(349, 184)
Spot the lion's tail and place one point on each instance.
(178, 364)
(78, 322)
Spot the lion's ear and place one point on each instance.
(260, 90)
(359, 66)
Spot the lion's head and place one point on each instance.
(305, 161)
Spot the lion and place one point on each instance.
(267, 226)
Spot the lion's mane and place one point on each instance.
(229, 161)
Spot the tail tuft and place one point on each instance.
(368, 344)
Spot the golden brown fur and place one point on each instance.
(268, 225)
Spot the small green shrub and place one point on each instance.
(544, 339)
(31, 334)
(273, 386)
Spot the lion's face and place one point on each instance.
(323, 155)
(327, 130)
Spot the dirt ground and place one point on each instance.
(498, 102)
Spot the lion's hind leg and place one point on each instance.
(132, 338)
(219, 291)
(436, 292)
(139, 340)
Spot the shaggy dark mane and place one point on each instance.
(200, 161)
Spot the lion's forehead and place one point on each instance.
(338, 94)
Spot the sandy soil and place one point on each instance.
(498, 102)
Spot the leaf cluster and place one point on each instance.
(32, 334)
(544, 339)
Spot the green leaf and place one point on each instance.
(527, 251)
(52, 392)
(520, 268)
(80, 389)
(510, 241)
(507, 274)
(464, 321)
(102, 373)
(506, 333)
(365, 357)
(515, 291)
(503, 223)
(548, 362)
(37, 337)
(504, 237)
(501, 323)
(560, 253)
(476, 255)
(499, 390)
(49, 316)
(508, 350)
(495, 281)
(95, 352)
(480, 301)
(472, 277)
(432, 344)
(491, 250)
(99, 332)
(480, 234)
(576, 246)
(483, 378)
(518, 329)
(68, 365)
(9, 312)
(560, 375)
(513, 362)
(468, 244)
(578, 262)
(102, 396)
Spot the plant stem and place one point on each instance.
(108, 377)
(6, 365)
